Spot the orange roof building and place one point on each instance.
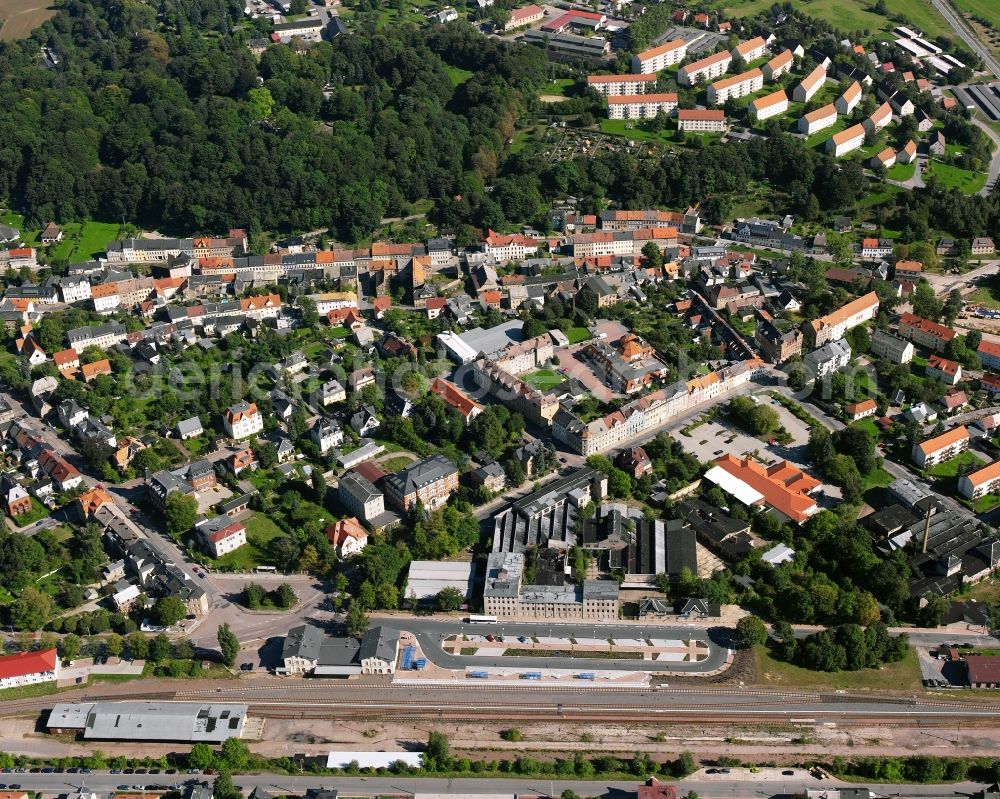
(95, 369)
(89, 502)
(782, 486)
(940, 448)
(456, 398)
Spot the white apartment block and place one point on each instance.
(980, 482)
(641, 106)
(704, 69)
(29, 668)
(811, 84)
(850, 98)
(892, 348)
(846, 141)
(659, 58)
(750, 50)
(615, 85)
(701, 121)
(778, 65)
(737, 86)
(770, 105)
(834, 326)
(940, 448)
(820, 119)
(880, 117)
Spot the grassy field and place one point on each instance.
(394, 464)
(987, 9)
(856, 15)
(543, 379)
(38, 511)
(902, 676)
(556, 87)
(987, 294)
(82, 242)
(950, 467)
(631, 129)
(457, 74)
(261, 531)
(901, 171)
(577, 334)
(953, 177)
(20, 17)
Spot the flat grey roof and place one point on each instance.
(151, 721)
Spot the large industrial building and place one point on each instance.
(182, 722)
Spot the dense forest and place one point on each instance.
(159, 114)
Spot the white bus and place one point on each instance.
(473, 619)
(267, 569)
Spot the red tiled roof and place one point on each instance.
(782, 485)
(338, 532)
(24, 663)
(454, 396)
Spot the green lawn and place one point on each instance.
(457, 74)
(543, 379)
(38, 511)
(855, 15)
(577, 334)
(901, 171)
(877, 198)
(953, 177)
(392, 465)
(638, 129)
(986, 504)
(261, 531)
(902, 676)
(987, 294)
(868, 426)
(950, 467)
(520, 140)
(29, 238)
(820, 137)
(880, 478)
(987, 9)
(557, 86)
(339, 332)
(83, 242)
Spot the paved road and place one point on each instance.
(738, 783)
(430, 633)
(994, 172)
(961, 27)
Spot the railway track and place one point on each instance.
(278, 699)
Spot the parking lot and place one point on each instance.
(711, 440)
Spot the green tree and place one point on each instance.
(159, 648)
(31, 609)
(138, 646)
(179, 513)
(253, 596)
(202, 757)
(114, 645)
(751, 631)
(449, 599)
(169, 610)
(437, 750)
(356, 620)
(235, 754)
(261, 105)
(70, 646)
(229, 645)
(223, 787)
